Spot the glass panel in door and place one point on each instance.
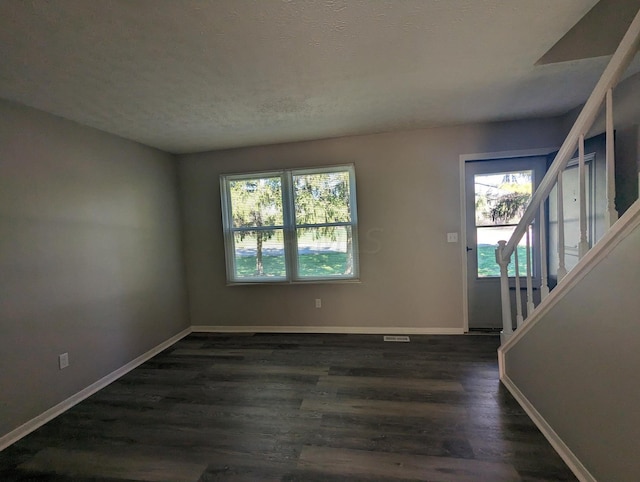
(500, 201)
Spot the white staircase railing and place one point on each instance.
(535, 212)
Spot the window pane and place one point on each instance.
(325, 252)
(501, 198)
(488, 238)
(263, 212)
(322, 197)
(256, 202)
(259, 254)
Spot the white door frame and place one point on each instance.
(482, 156)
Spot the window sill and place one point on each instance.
(287, 283)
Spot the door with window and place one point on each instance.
(497, 193)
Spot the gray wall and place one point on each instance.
(627, 165)
(626, 109)
(408, 190)
(90, 257)
(579, 366)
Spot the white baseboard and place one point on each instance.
(579, 470)
(359, 330)
(65, 405)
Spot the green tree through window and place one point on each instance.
(292, 225)
(257, 203)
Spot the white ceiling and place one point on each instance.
(187, 76)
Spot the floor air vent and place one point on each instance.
(404, 339)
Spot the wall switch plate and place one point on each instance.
(63, 360)
(452, 237)
(318, 303)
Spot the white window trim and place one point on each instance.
(288, 227)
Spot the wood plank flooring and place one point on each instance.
(297, 408)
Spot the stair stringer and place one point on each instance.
(626, 225)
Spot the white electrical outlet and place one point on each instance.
(63, 360)
(318, 303)
(452, 237)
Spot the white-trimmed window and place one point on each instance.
(293, 225)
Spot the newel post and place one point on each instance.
(507, 324)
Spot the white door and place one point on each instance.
(496, 194)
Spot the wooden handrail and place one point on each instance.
(617, 65)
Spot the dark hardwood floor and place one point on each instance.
(297, 408)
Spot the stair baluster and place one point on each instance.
(562, 269)
(519, 318)
(530, 304)
(611, 213)
(603, 90)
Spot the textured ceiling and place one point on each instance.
(187, 76)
